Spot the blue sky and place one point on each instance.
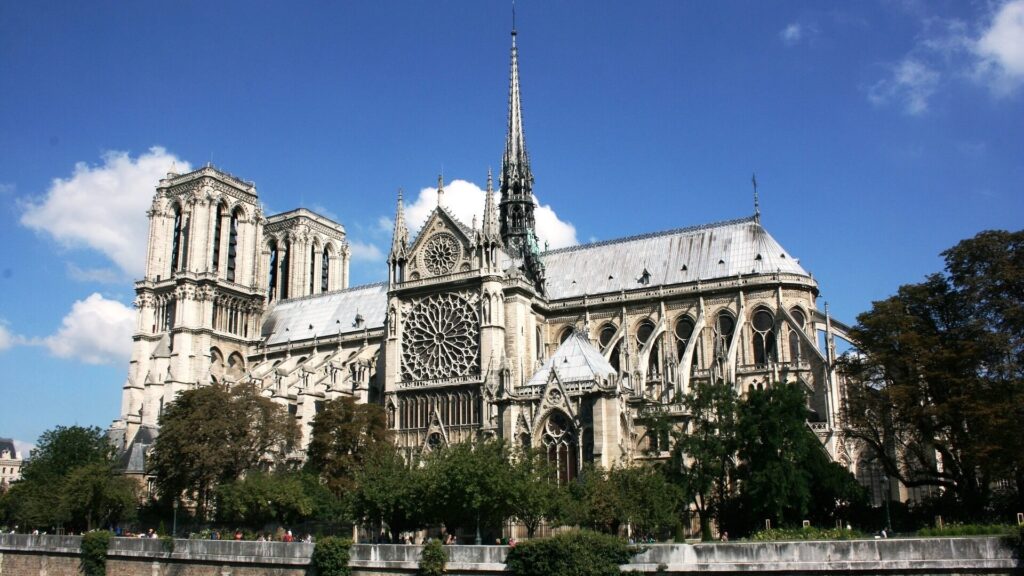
(881, 132)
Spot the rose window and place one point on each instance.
(440, 339)
(441, 254)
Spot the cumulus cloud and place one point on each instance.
(95, 331)
(465, 200)
(792, 34)
(1000, 49)
(7, 339)
(364, 251)
(911, 84)
(989, 52)
(103, 207)
(23, 448)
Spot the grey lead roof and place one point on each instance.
(326, 314)
(575, 360)
(719, 250)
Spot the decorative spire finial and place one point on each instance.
(516, 207)
(400, 237)
(757, 203)
(440, 189)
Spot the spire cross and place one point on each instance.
(757, 203)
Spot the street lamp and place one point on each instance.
(174, 522)
(885, 495)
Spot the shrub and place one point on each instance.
(331, 555)
(966, 530)
(809, 533)
(433, 558)
(94, 553)
(577, 553)
(168, 543)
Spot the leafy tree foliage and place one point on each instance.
(537, 492)
(213, 435)
(703, 455)
(69, 480)
(470, 484)
(95, 496)
(344, 434)
(607, 500)
(937, 392)
(774, 446)
(578, 553)
(283, 497)
(331, 556)
(390, 490)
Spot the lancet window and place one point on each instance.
(217, 224)
(233, 245)
(325, 268)
(795, 345)
(605, 337)
(764, 337)
(560, 443)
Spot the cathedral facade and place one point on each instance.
(478, 332)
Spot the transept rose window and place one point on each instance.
(440, 339)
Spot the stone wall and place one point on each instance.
(24, 555)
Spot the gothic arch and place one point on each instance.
(763, 345)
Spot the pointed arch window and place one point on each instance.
(764, 337)
(643, 335)
(560, 444)
(312, 269)
(285, 275)
(725, 325)
(684, 332)
(217, 224)
(176, 240)
(605, 337)
(564, 335)
(272, 280)
(232, 246)
(325, 269)
(795, 346)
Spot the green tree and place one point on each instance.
(93, 496)
(937, 391)
(469, 485)
(213, 435)
(344, 434)
(703, 454)
(594, 502)
(264, 497)
(390, 490)
(645, 499)
(537, 493)
(774, 444)
(69, 480)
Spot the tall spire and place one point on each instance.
(516, 206)
(757, 203)
(440, 189)
(491, 229)
(400, 236)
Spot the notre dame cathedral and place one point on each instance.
(477, 332)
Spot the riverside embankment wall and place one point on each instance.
(26, 555)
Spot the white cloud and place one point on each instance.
(991, 53)
(100, 275)
(6, 338)
(365, 251)
(1000, 50)
(6, 188)
(465, 200)
(23, 448)
(104, 207)
(95, 331)
(910, 84)
(792, 34)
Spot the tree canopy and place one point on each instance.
(344, 434)
(69, 480)
(214, 434)
(936, 390)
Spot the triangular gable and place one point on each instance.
(449, 222)
(553, 398)
(435, 427)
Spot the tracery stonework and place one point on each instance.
(440, 339)
(441, 253)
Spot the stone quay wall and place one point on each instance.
(26, 555)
